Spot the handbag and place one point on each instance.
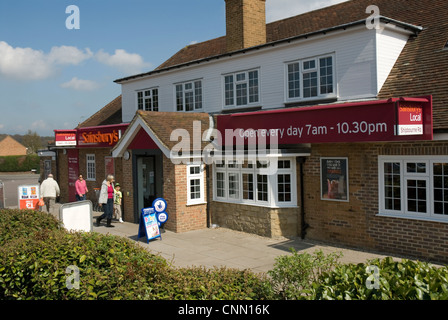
(41, 202)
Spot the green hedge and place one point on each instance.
(35, 254)
(384, 279)
(19, 163)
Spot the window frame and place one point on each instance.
(257, 171)
(193, 91)
(195, 176)
(248, 87)
(155, 105)
(405, 176)
(92, 164)
(301, 71)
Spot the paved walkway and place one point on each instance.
(224, 247)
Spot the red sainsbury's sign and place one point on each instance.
(372, 121)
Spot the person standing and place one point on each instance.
(117, 202)
(81, 188)
(49, 190)
(106, 200)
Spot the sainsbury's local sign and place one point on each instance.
(100, 137)
(380, 120)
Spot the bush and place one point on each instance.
(404, 280)
(293, 276)
(20, 163)
(35, 254)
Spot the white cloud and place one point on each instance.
(2, 126)
(280, 9)
(122, 60)
(30, 64)
(39, 125)
(80, 85)
(68, 55)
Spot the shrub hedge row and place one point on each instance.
(20, 163)
(35, 254)
(39, 260)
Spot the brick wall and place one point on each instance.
(263, 221)
(355, 223)
(62, 175)
(182, 217)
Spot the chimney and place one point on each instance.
(245, 23)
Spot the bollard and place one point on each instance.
(2, 195)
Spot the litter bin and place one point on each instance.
(2, 195)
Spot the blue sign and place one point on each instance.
(151, 219)
(162, 217)
(159, 205)
(149, 225)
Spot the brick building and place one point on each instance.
(347, 109)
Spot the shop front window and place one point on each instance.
(253, 182)
(414, 188)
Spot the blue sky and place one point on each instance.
(53, 78)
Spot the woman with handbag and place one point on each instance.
(106, 200)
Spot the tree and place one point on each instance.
(32, 141)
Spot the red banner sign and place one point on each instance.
(370, 121)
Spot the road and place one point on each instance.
(11, 183)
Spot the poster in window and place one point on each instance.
(109, 165)
(334, 179)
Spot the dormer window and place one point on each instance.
(310, 78)
(148, 99)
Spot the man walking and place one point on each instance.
(49, 190)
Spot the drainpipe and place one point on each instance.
(301, 161)
(208, 138)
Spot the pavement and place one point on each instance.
(224, 247)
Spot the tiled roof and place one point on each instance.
(162, 124)
(422, 68)
(108, 115)
(11, 147)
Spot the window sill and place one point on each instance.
(227, 110)
(195, 203)
(409, 217)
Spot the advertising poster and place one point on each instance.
(334, 179)
(149, 226)
(28, 197)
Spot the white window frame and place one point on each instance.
(198, 99)
(90, 167)
(195, 176)
(237, 82)
(154, 102)
(302, 71)
(271, 172)
(428, 176)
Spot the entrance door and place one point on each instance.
(147, 186)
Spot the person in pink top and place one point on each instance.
(81, 189)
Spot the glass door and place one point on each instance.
(147, 191)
